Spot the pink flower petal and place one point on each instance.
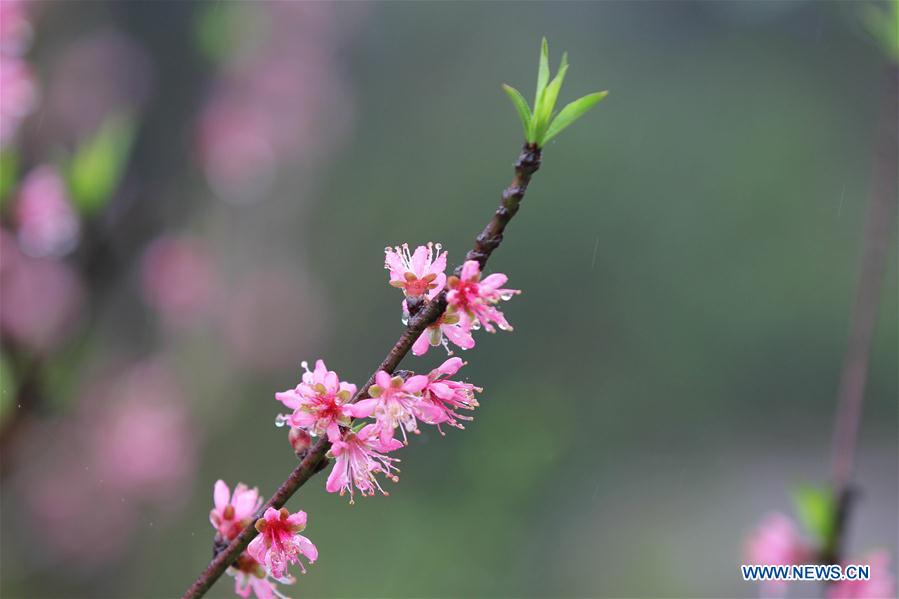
(220, 495)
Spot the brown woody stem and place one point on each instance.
(315, 460)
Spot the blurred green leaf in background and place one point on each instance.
(99, 163)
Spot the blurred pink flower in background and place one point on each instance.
(776, 541)
(272, 317)
(129, 446)
(178, 278)
(239, 159)
(96, 76)
(15, 30)
(46, 221)
(71, 510)
(141, 437)
(881, 585)
(40, 298)
(18, 88)
(18, 96)
(279, 100)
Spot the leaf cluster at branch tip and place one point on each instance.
(544, 123)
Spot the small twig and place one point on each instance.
(315, 460)
(881, 214)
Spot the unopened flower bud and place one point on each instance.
(299, 439)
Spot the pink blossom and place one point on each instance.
(776, 541)
(477, 298)
(280, 543)
(393, 403)
(442, 397)
(359, 456)
(418, 272)
(250, 576)
(881, 585)
(451, 326)
(47, 223)
(178, 278)
(319, 402)
(233, 513)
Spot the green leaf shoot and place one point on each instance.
(542, 123)
(572, 112)
(524, 112)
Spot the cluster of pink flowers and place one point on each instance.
(364, 429)
(397, 405)
(776, 541)
(278, 545)
(471, 300)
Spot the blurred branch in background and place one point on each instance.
(880, 221)
(825, 512)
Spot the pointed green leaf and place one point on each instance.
(542, 71)
(816, 510)
(99, 163)
(572, 112)
(523, 111)
(548, 102)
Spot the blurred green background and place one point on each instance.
(687, 254)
